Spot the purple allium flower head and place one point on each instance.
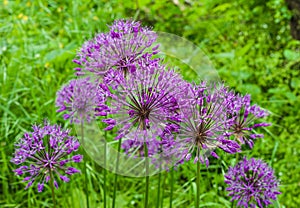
(252, 182)
(145, 99)
(204, 122)
(244, 120)
(44, 152)
(81, 100)
(125, 43)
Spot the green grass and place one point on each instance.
(247, 41)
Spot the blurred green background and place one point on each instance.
(248, 42)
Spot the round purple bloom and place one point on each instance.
(203, 123)
(252, 182)
(245, 119)
(143, 102)
(125, 43)
(44, 152)
(81, 100)
(146, 99)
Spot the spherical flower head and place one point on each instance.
(244, 120)
(145, 99)
(252, 183)
(203, 123)
(81, 100)
(125, 43)
(45, 153)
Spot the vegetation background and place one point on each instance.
(248, 42)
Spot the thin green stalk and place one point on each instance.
(28, 198)
(162, 192)
(159, 179)
(104, 171)
(158, 188)
(198, 185)
(237, 157)
(52, 189)
(85, 170)
(116, 174)
(172, 186)
(147, 175)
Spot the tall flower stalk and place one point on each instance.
(116, 51)
(105, 171)
(198, 185)
(52, 189)
(141, 102)
(158, 188)
(172, 186)
(85, 168)
(82, 101)
(147, 175)
(116, 175)
(203, 124)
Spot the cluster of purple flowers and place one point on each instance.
(44, 154)
(146, 103)
(143, 95)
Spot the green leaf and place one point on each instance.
(291, 55)
(222, 7)
(245, 49)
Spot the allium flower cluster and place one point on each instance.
(123, 45)
(252, 182)
(204, 121)
(145, 99)
(81, 100)
(245, 120)
(148, 104)
(44, 154)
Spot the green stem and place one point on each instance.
(116, 174)
(237, 157)
(159, 179)
(198, 185)
(172, 186)
(147, 175)
(52, 189)
(158, 188)
(104, 171)
(85, 170)
(162, 192)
